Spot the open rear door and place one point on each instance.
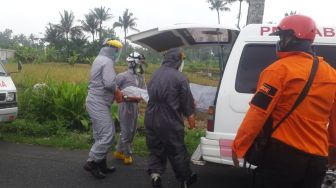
(184, 35)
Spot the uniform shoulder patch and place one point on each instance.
(268, 89)
(264, 96)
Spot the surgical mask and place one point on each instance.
(181, 66)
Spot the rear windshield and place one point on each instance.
(256, 57)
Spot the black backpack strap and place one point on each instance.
(303, 93)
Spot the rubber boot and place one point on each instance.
(94, 169)
(103, 167)
(128, 160)
(156, 182)
(119, 155)
(191, 180)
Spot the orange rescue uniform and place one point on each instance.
(306, 129)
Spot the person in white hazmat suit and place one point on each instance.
(128, 109)
(102, 91)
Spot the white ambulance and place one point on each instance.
(8, 98)
(252, 49)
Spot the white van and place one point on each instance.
(252, 50)
(8, 99)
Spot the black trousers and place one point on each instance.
(287, 167)
(168, 144)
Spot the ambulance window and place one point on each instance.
(254, 59)
(327, 52)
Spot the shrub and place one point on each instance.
(63, 102)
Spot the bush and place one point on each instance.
(63, 102)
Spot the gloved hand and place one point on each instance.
(191, 121)
(118, 96)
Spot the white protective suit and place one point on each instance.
(128, 111)
(101, 90)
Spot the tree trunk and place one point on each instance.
(68, 50)
(125, 40)
(100, 32)
(93, 34)
(218, 17)
(239, 13)
(255, 11)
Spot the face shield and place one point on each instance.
(116, 53)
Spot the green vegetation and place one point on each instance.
(52, 111)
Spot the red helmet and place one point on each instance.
(303, 27)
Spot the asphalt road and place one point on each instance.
(35, 166)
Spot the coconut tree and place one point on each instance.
(52, 34)
(126, 22)
(219, 5)
(102, 14)
(90, 24)
(66, 26)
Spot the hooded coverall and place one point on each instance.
(297, 153)
(128, 111)
(170, 98)
(101, 90)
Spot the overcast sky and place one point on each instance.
(32, 16)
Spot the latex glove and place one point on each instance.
(235, 159)
(118, 96)
(332, 158)
(191, 121)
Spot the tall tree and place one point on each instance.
(127, 21)
(90, 24)
(52, 34)
(219, 5)
(255, 11)
(66, 26)
(102, 14)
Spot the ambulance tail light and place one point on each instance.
(211, 114)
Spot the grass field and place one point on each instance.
(35, 73)
(79, 73)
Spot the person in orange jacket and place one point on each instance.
(297, 153)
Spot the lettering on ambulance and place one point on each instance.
(3, 84)
(267, 30)
(326, 32)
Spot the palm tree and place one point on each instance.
(126, 22)
(102, 14)
(66, 26)
(219, 5)
(52, 34)
(90, 24)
